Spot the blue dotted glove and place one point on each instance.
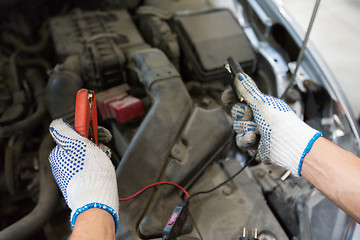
(284, 138)
(83, 171)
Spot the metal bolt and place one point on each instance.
(244, 232)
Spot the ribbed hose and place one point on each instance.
(148, 152)
(48, 197)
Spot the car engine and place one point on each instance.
(157, 68)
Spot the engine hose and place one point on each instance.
(14, 72)
(35, 62)
(37, 84)
(17, 109)
(12, 152)
(62, 87)
(146, 156)
(48, 197)
(19, 44)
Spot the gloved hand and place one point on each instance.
(84, 171)
(284, 138)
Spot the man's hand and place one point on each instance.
(284, 138)
(288, 142)
(84, 171)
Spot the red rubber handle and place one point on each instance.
(82, 113)
(86, 114)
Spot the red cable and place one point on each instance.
(153, 185)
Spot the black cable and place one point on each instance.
(226, 181)
(197, 229)
(176, 222)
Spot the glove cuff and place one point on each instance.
(294, 152)
(75, 214)
(99, 192)
(307, 149)
(288, 149)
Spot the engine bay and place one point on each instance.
(157, 68)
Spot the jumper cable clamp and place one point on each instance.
(86, 123)
(233, 67)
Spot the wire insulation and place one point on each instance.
(226, 181)
(183, 189)
(196, 227)
(153, 185)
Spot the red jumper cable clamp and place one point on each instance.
(86, 123)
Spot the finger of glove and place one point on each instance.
(104, 135)
(105, 149)
(52, 157)
(241, 111)
(244, 126)
(262, 153)
(60, 168)
(246, 88)
(228, 97)
(65, 136)
(244, 140)
(252, 150)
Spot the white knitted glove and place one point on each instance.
(84, 171)
(284, 138)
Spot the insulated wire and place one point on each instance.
(224, 182)
(188, 196)
(196, 227)
(186, 201)
(216, 187)
(153, 185)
